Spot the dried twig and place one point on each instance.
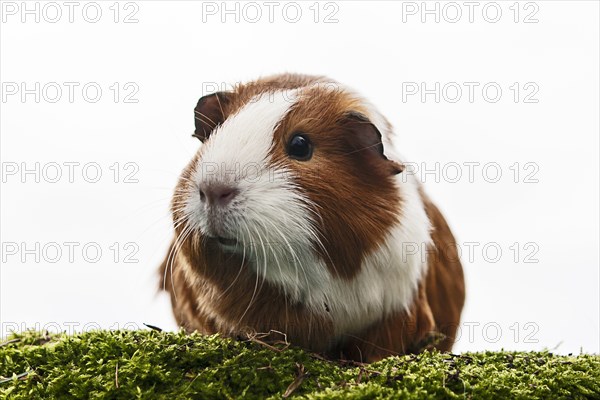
(155, 328)
(117, 375)
(256, 336)
(19, 377)
(9, 342)
(300, 376)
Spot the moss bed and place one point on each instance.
(152, 364)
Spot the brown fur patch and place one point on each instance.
(445, 280)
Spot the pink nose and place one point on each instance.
(217, 194)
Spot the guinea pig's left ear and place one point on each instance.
(209, 113)
(366, 137)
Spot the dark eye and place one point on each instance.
(300, 147)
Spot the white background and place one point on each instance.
(175, 53)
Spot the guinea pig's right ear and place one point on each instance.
(366, 138)
(209, 113)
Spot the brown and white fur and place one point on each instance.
(342, 253)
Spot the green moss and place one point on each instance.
(151, 364)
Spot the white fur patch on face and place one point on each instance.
(269, 218)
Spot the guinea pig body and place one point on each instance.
(294, 221)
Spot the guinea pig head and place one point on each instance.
(286, 179)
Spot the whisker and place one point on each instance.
(175, 248)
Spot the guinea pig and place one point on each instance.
(295, 221)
